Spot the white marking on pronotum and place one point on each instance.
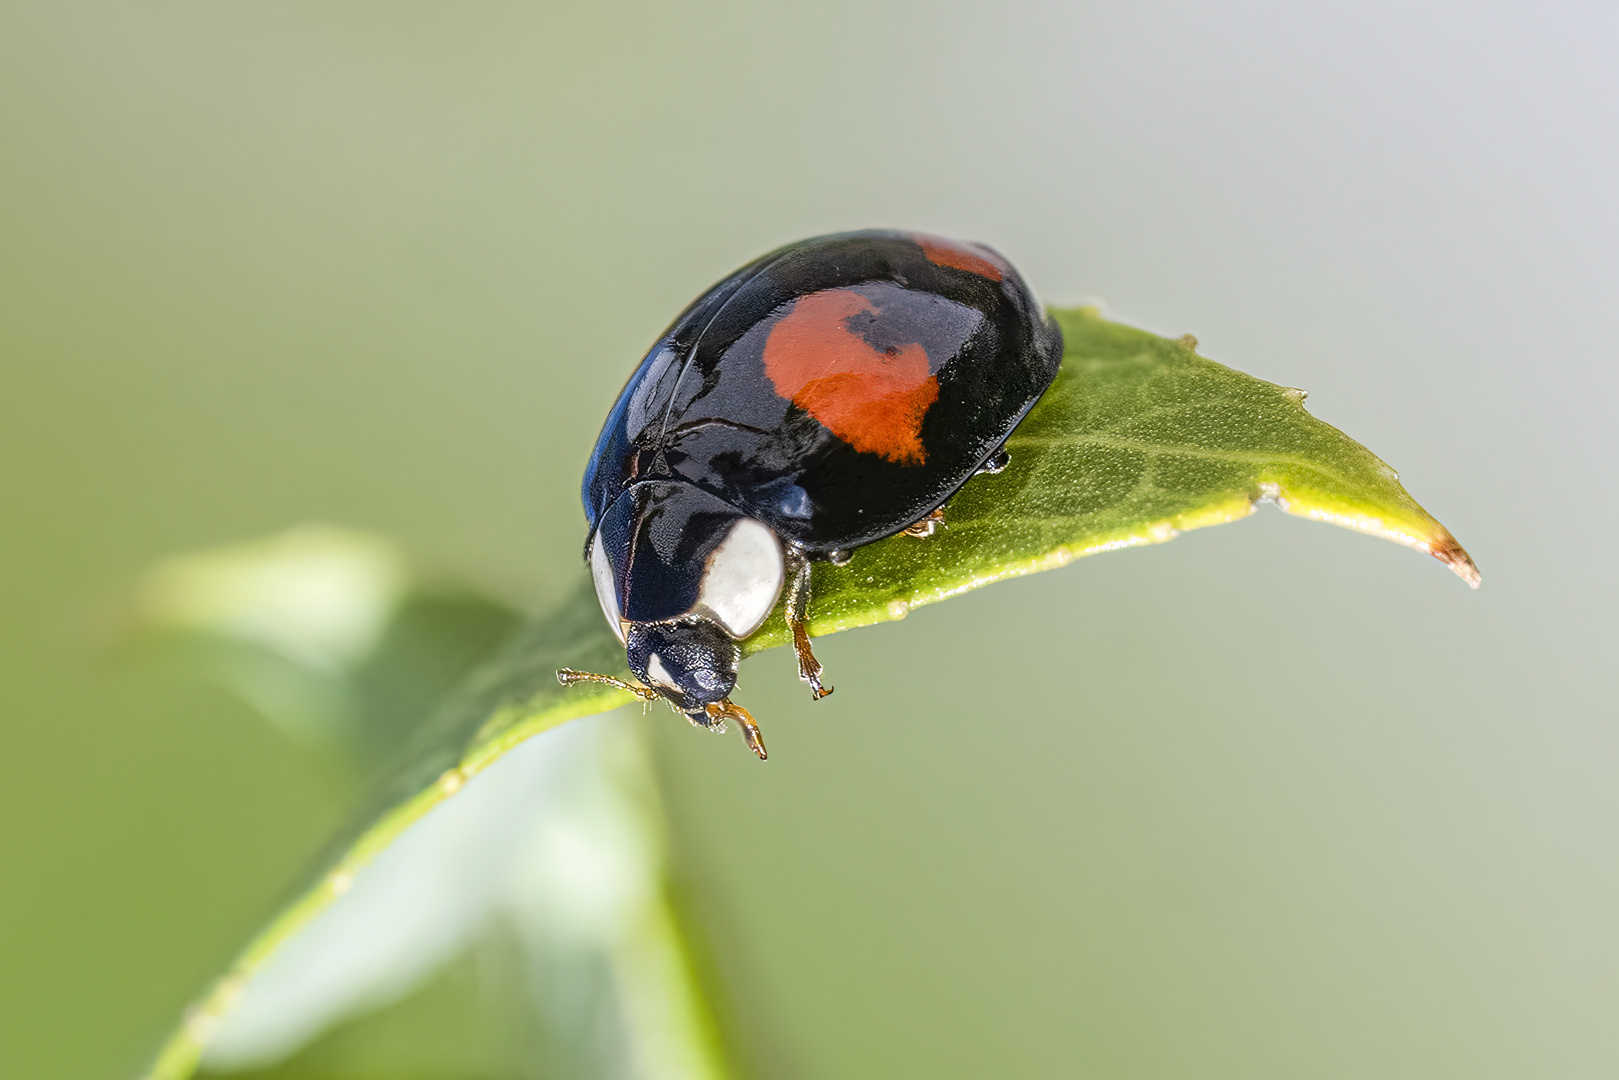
(743, 578)
(658, 673)
(606, 588)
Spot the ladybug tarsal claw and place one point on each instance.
(809, 668)
(726, 709)
(569, 677)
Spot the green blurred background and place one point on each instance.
(1274, 800)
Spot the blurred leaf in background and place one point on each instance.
(327, 632)
(546, 877)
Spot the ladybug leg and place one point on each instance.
(809, 668)
(568, 677)
(726, 709)
(926, 526)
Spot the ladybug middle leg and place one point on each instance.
(926, 525)
(809, 668)
(922, 527)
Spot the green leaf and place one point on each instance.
(1139, 440)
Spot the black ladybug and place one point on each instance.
(832, 393)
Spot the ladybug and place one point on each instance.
(832, 393)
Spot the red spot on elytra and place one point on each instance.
(959, 256)
(872, 399)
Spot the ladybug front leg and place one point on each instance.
(809, 668)
(725, 709)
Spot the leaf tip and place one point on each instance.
(1448, 551)
(1415, 528)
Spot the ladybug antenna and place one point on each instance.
(568, 677)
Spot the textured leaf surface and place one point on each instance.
(1139, 440)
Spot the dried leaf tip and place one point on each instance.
(1452, 554)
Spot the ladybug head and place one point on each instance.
(691, 662)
